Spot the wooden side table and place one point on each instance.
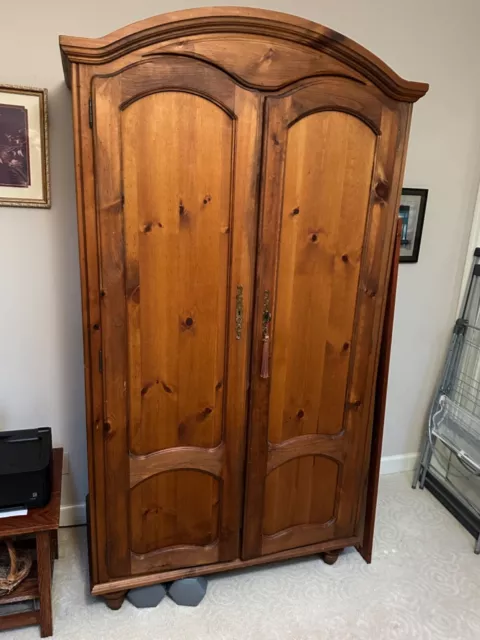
(43, 524)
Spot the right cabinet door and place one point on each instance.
(333, 159)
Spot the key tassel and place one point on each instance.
(265, 354)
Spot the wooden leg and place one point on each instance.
(330, 557)
(54, 535)
(44, 565)
(115, 600)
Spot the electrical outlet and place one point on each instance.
(66, 464)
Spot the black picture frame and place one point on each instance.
(413, 204)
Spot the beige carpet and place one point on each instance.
(424, 583)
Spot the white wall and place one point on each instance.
(473, 243)
(41, 375)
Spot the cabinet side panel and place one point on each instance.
(87, 236)
(374, 449)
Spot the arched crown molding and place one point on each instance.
(216, 20)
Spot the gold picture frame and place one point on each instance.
(24, 149)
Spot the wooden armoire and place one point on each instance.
(238, 177)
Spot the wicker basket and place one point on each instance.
(14, 567)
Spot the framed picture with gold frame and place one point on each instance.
(24, 158)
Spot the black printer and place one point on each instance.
(25, 468)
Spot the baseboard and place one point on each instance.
(397, 464)
(74, 514)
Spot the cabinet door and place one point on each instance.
(175, 153)
(333, 149)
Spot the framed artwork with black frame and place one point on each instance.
(24, 161)
(412, 213)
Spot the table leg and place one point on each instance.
(44, 566)
(55, 543)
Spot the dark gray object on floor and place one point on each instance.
(144, 597)
(188, 592)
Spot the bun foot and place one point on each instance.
(115, 600)
(330, 557)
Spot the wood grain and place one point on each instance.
(92, 330)
(87, 288)
(208, 460)
(310, 256)
(16, 620)
(366, 548)
(108, 168)
(175, 72)
(298, 536)
(252, 22)
(321, 246)
(176, 574)
(312, 513)
(304, 445)
(176, 507)
(168, 232)
(177, 139)
(258, 61)
(179, 555)
(44, 565)
(387, 184)
(177, 266)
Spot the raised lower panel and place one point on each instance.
(174, 508)
(301, 493)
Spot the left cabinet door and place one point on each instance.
(176, 164)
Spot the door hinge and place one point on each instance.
(122, 199)
(100, 361)
(90, 112)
